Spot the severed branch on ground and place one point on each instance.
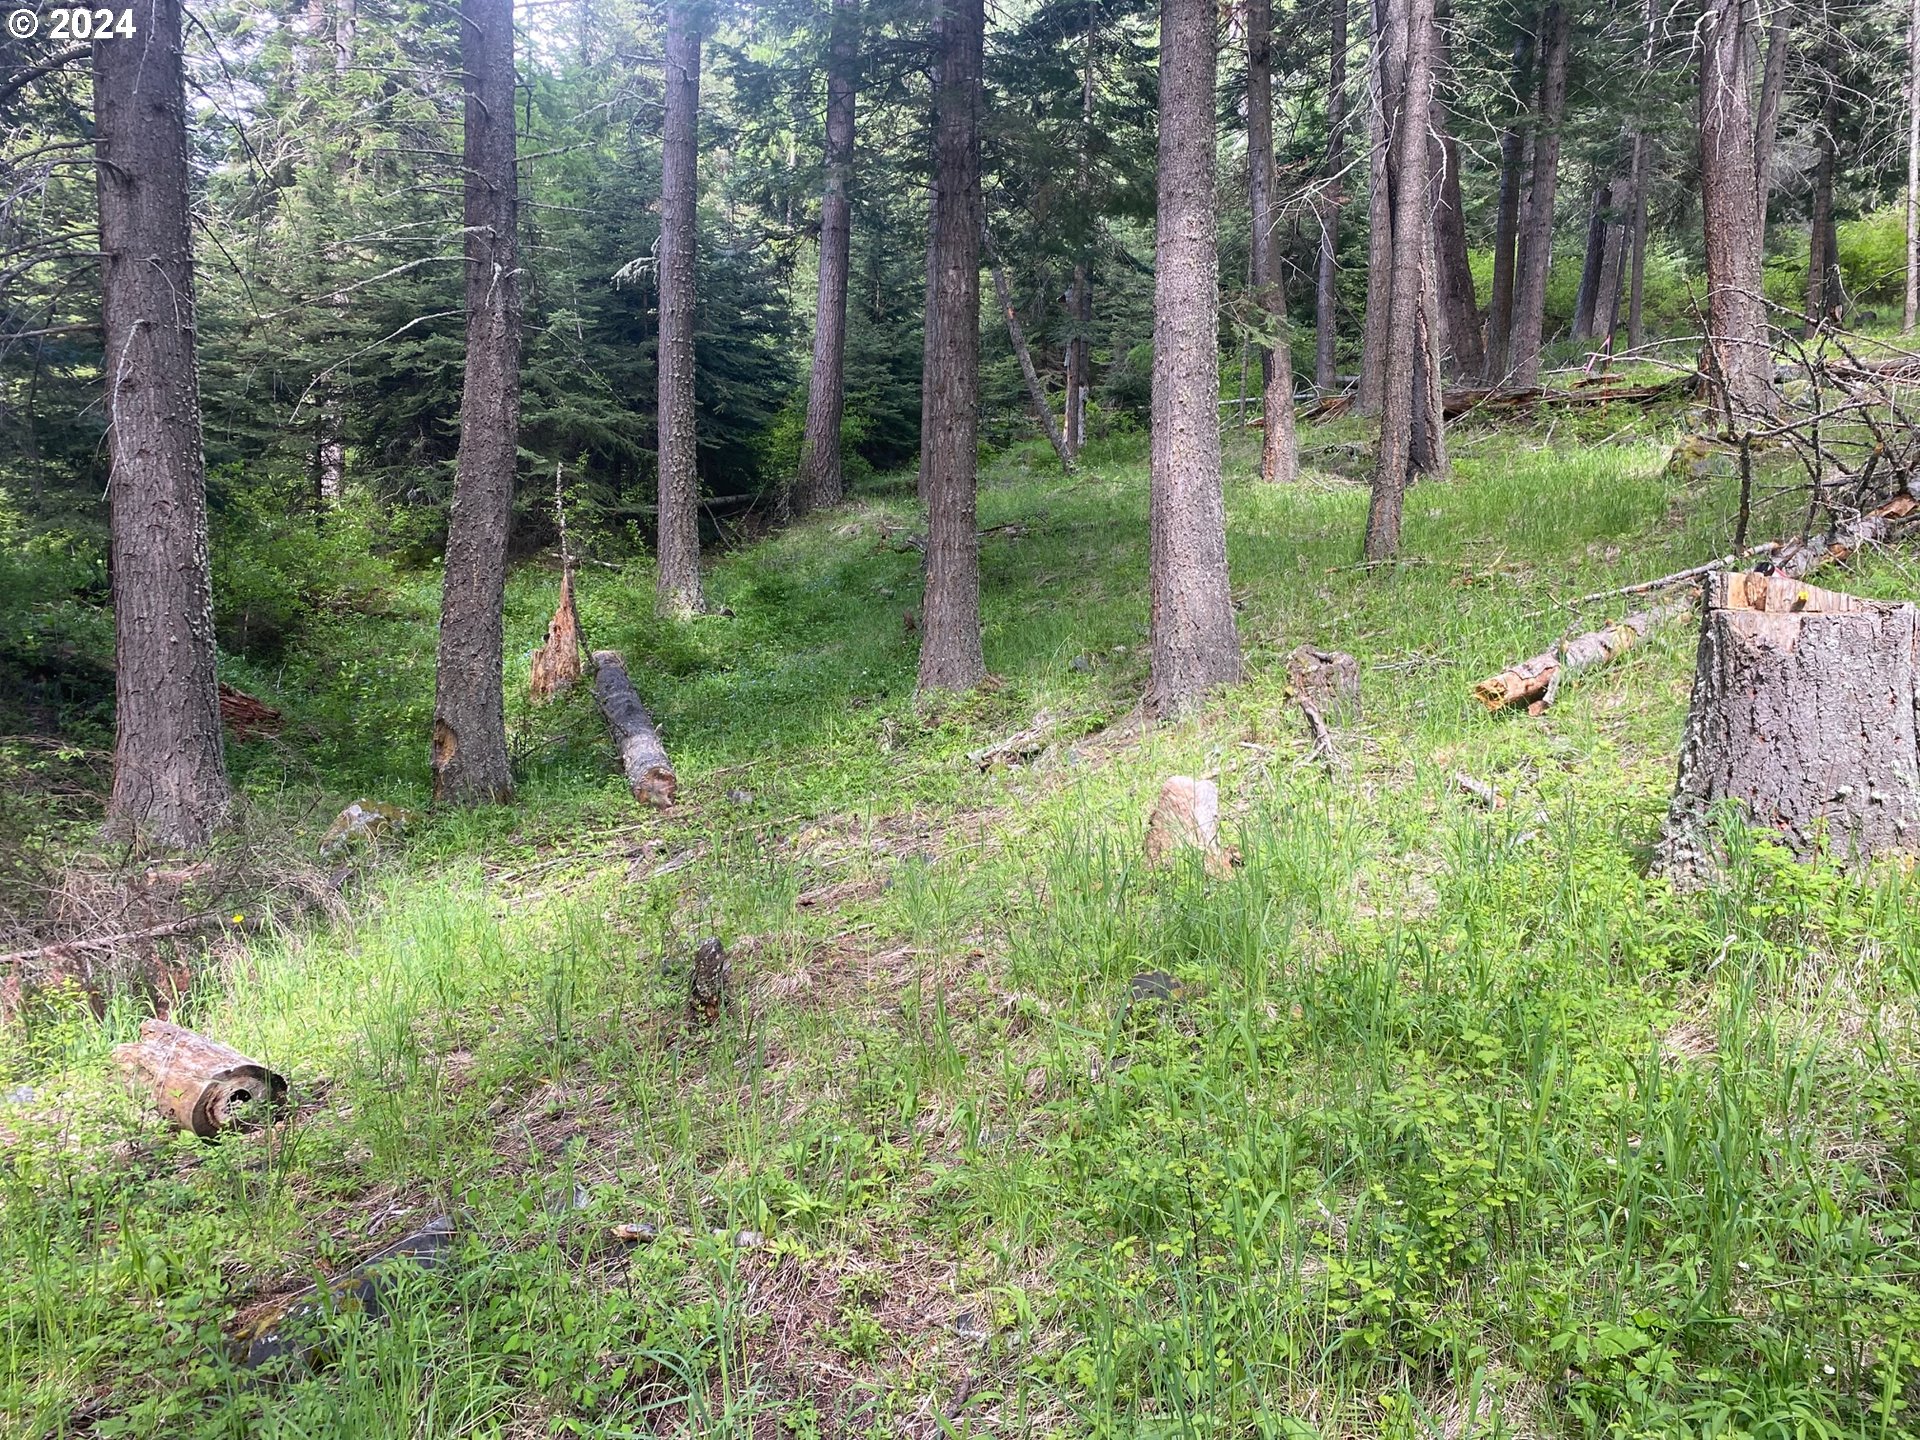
(642, 754)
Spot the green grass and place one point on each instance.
(1463, 1125)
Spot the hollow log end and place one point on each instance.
(237, 1099)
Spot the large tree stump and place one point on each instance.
(644, 758)
(1802, 719)
(197, 1083)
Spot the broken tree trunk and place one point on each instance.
(1532, 682)
(1187, 817)
(197, 1083)
(642, 755)
(1802, 720)
(556, 664)
(1017, 337)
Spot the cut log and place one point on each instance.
(644, 759)
(197, 1083)
(556, 664)
(1529, 682)
(1802, 721)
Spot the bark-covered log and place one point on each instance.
(1529, 682)
(642, 755)
(1802, 719)
(197, 1083)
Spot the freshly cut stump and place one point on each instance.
(197, 1083)
(1802, 719)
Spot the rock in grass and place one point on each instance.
(1150, 986)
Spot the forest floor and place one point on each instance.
(1459, 1125)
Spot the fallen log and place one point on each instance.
(247, 717)
(1455, 403)
(642, 755)
(1529, 682)
(197, 1083)
(126, 937)
(1799, 558)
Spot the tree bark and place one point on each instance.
(1738, 353)
(1386, 60)
(1017, 338)
(1773, 90)
(1195, 644)
(820, 484)
(1429, 436)
(677, 585)
(169, 763)
(1279, 450)
(1079, 357)
(1822, 259)
(1535, 247)
(1802, 720)
(1594, 256)
(1613, 249)
(199, 1084)
(950, 650)
(1410, 245)
(643, 758)
(1506, 225)
(1912, 309)
(469, 711)
(1461, 344)
(1326, 293)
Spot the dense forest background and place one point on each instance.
(326, 168)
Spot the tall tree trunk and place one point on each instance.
(1912, 311)
(1079, 358)
(1535, 249)
(1428, 440)
(1195, 644)
(1738, 352)
(1587, 298)
(930, 318)
(1606, 305)
(1642, 178)
(950, 653)
(1461, 344)
(1506, 225)
(1326, 287)
(1386, 59)
(169, 766)
(1017, 338)
(1410, 244)
(1279, 451)
(820, 484)
(1823, 251)
(469, 715)
(677, 585)
(1773, 90)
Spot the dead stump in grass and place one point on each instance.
(1327, 682)
(1802, 719)
(1187, 817)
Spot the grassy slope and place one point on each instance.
(1464, 1126)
